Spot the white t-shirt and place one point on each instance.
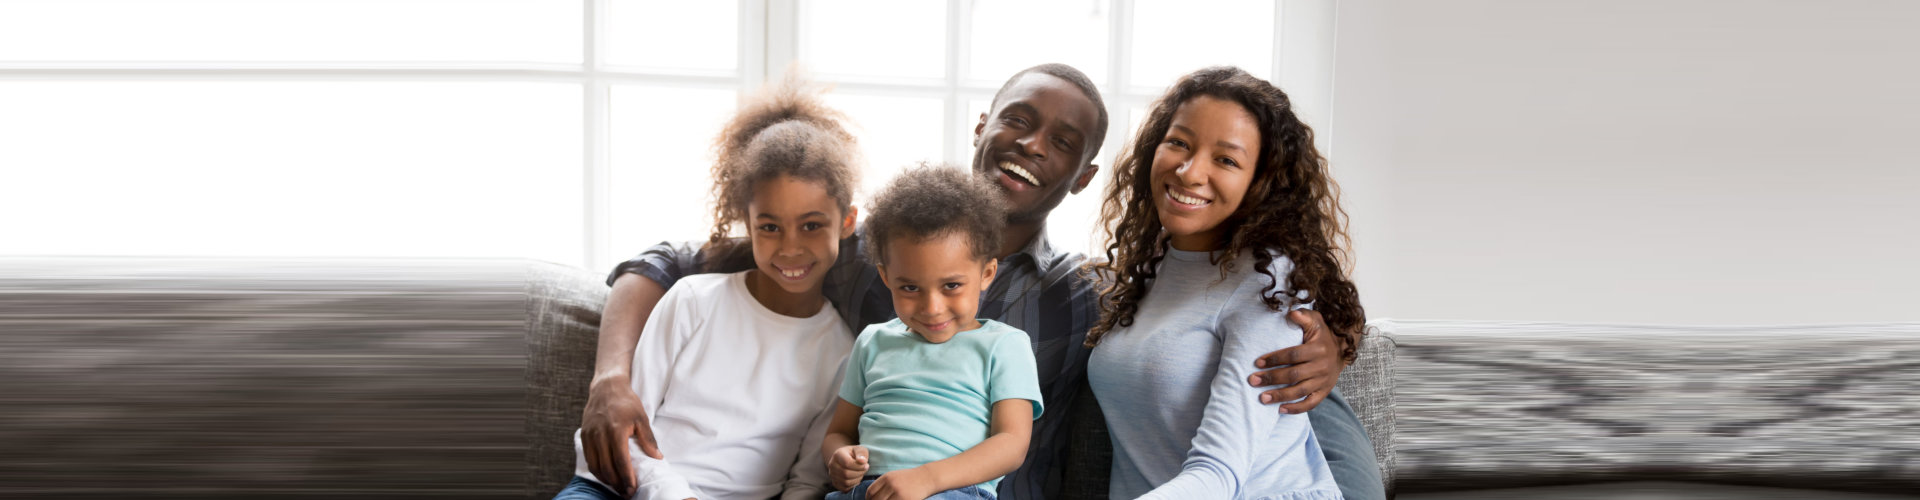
(739, 395)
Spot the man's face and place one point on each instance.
(1035, 144)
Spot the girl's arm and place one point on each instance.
(1004, 449)
(808, 476)
(846, 460)
(1235, 425)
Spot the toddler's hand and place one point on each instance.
(905, 484)
(848, 467)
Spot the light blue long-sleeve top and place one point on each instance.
(1185, 422)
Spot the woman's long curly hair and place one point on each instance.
(784, 130)
(1292, 207)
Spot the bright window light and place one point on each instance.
(1011, 35)
(1175, 37)
(874, 38)
(674, 34)
(662, 163)
(290, 30)
(291, 169)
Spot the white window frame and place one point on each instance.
(771, 35)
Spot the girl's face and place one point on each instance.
(795, 230)
(1202, 168)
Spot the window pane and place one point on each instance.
(874, 38)
(291, 30)
(1175, 37)
(893, 131)
(1011, 35)
(292, 169)
(674, 34)
(662, 159)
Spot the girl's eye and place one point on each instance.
(769, 228)
(812, 226)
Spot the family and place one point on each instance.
(1210, 334)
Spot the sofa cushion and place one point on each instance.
(228, 378)
(563, 323)
(1484, 404)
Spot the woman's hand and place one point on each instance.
(908, 484)
(614, 414)
(847, 467)
(1306, 372)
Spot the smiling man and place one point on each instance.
(1038, 142)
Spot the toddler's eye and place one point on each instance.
(951, 286)
(909, 288)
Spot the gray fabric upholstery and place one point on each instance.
(1368, 387)
(563, 319)
(1487, 405)
(211, 378)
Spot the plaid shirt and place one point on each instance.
(1038, 290)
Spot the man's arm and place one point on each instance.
(613, 412)
(1309, 370)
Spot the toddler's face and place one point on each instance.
(936, 284)
(795, 228)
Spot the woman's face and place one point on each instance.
(1202, 168)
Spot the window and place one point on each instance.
(574, 132)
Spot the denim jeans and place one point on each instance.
(966, 493)
(582, 489)
(1349, 453)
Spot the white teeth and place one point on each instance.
(1023, 173)
(793, 273)
(1186, 199)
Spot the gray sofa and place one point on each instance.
(199, 378)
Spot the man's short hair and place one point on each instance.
(930, 200)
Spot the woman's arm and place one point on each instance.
(1005, 448)
(1235, 425)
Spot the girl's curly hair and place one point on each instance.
(1292, 206)
(784, 130)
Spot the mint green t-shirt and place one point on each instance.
(923, 402)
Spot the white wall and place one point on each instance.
(1678, 162)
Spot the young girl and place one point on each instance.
(1225, 219)
(738, 372)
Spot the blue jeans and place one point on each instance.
(1349, 453)
(582, 489)
(966, 493)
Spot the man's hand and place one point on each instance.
(907, 484)
(848, 467)
(614, 414)
(1309, 370)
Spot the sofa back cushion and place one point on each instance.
(1485, 404)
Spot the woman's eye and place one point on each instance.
(1176, 143)
(1229, 162)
